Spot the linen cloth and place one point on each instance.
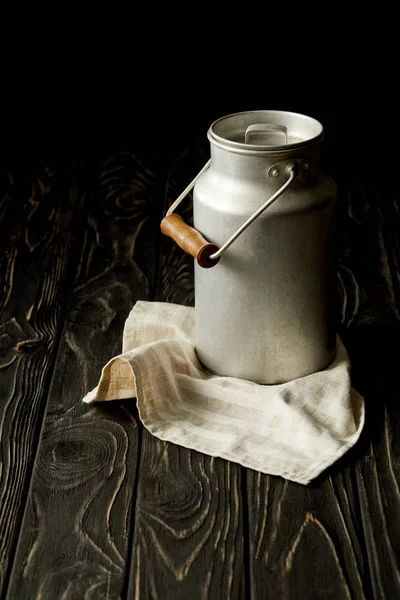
(295, 430)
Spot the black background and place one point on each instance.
(154, 99)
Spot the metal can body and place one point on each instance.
(264, 312)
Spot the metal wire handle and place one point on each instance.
(290, 169)
(187, 190)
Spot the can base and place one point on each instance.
(279, 379)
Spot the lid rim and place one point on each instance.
(256, 149)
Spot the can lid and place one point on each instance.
(265, 131)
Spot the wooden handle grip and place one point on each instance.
(190, 240)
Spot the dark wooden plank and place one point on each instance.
(372, 338)
(305, 542)
(74, 541)
(37, 216)
(188, 539)
(378, 482)
(340, 538)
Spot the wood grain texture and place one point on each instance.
(372, 337)
(74, 542)
(37, 218)
(189, 239)
(305, 542)
(188, 538)
(110, 511)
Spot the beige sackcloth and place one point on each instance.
(295, 430)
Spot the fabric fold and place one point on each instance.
(295, 430)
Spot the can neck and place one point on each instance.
(254, 166)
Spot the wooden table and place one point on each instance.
(93, 506)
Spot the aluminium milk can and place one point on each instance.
(263, 240)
